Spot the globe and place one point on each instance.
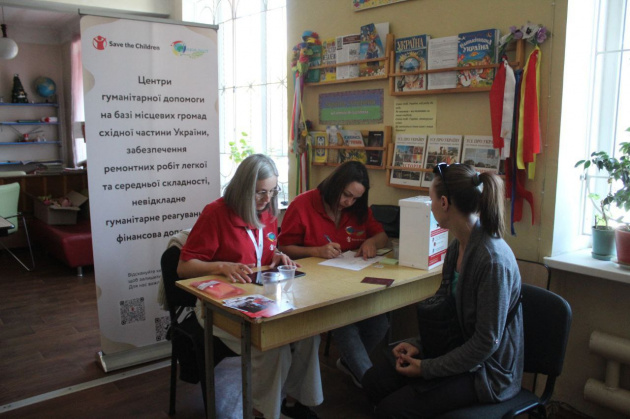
(45, 87)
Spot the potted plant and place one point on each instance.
(618, 195)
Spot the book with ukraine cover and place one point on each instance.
(411, 56)
(473, 49)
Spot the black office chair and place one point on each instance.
(186, 335)
(534, 273)
(546, 322)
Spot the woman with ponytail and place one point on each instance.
(481, 275)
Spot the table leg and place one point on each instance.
(209, 344)
(246, 368)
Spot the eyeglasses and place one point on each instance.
(272, 193)
(440, 169)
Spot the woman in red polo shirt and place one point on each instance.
(326, 222)
(232, 235)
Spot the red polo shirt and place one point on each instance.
(221, 235)
(307, 224)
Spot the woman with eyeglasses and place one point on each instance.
(481, 274)
(232, 235)
(325, 222)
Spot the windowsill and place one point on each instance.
(582, 262)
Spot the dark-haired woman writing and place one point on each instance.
(480, 271)
(325, 222)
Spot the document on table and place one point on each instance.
(348, 261)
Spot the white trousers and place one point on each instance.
(288, 370)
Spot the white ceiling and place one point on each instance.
(40, 26)
(15, 16)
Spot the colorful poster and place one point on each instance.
(356, 107)
(152, 139)
(358, 5)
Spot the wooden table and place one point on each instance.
(325, 299)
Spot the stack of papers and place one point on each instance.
(347, 260)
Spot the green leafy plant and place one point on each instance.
(241, 149)
(618, 170)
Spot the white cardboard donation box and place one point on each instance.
(422, 242)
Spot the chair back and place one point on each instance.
(534, 273)
(9, 196)
(175, 297)
(547, 322)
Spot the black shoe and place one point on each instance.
(297, 411)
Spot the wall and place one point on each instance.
(597, 304)
(456, 113)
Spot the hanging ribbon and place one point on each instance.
(515, 178)
(529, 123)
(502, 108)
(496, 107)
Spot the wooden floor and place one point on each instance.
(49, 336)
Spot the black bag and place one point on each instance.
(389, 217)
(439, 329)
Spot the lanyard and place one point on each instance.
(257, 246)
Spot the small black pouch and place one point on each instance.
(439, 329)
(389, 217)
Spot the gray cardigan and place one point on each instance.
(489, 286)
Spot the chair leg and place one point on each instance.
(171, 405)
(28, 240)
(328, 340)
(30, 249)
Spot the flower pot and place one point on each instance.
(622, 240)
(603, 243)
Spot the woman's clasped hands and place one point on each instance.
(406, 364)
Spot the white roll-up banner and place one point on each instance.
(152, 128)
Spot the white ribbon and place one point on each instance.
(257, 246)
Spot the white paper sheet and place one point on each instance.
(348, 261)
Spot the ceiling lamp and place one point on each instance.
(8, 47)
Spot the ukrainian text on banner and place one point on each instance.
(152, 143)
(355, 107)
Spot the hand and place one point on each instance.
(408, 366)
(367, 250)
(329, 251)
(280, 258)
(405, 348)
(237, 272)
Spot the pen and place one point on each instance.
(327, 238)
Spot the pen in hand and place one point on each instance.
(335, 247)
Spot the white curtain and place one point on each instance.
(252, 77)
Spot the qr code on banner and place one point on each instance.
(161, 326)
(132, 311)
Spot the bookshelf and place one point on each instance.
(385, 149)
(24, 138)
(389, 48)
(518, 46)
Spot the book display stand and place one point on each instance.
(386, 149)
(389, 44)
(392, 74)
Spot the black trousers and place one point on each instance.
(397, 396)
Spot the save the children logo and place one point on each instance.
(180, 49)
(99, 42)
